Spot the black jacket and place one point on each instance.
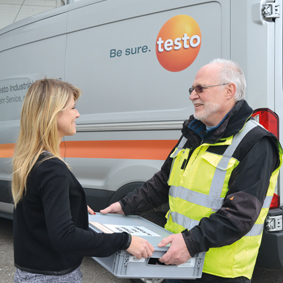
(51, 233)
(248, 183)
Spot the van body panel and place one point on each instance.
(35, 31)
(94, 56)
(252, 46)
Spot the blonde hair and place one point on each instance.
(38, 128)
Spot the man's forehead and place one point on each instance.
(208, 73)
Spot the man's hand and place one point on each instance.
(178, 252)
(140, 247)
(113, 208)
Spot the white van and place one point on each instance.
(134, 61)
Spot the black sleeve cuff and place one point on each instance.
(128, 243)
(190, 242)
(126, 208)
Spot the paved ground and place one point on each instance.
(92, 272)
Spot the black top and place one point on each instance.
(51, 233)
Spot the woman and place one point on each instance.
(51, 233)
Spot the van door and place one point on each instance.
(132, 107)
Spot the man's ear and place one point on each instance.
(230, 91)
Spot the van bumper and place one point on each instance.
(270, 254)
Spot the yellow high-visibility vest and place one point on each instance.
(198, 189)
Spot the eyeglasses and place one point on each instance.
(199, 88)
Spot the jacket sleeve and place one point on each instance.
(248, 186)
(53, 183)
(152, 194)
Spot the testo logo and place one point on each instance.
(178, 43)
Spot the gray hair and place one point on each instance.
(231, 72)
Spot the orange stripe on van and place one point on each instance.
(127, 149)
(7, 150)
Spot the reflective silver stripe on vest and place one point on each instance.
(256, 230)
(188, 223)
(213, 200)
(182, 142)
(196, 198)
(179, 148)
(267, 202)
(220, 172)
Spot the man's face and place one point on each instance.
(212, 104)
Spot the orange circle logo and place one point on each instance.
(178, 43)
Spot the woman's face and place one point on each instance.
(66, 120)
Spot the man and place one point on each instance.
(219, 180)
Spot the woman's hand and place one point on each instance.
(140, 248)
(90, 211)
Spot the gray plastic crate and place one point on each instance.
(124, 265)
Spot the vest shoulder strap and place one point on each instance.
(250, 139)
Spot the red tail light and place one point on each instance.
(270, 121)
(275, 201)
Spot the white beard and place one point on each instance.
(209, 108)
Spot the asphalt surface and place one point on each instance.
(92, 272)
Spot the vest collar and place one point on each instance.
(201, 129)
(195, 131)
